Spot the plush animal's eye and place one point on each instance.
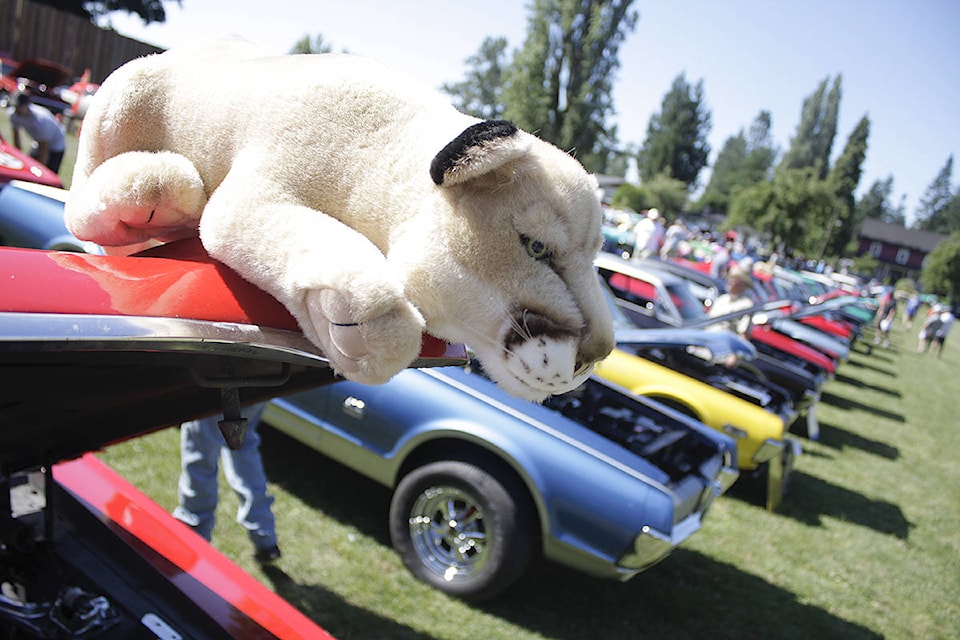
(536, 249)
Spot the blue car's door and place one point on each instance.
(378, 417)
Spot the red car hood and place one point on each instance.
(97, 349)
(769, 336)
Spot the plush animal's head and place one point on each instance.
(500, 257)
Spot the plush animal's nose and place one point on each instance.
(593, 349)
(582, 368)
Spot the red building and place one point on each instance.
(900, 251)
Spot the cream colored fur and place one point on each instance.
(311, 177)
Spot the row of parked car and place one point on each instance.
(607, 479)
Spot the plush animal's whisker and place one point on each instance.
(496, 343)
(520, 328)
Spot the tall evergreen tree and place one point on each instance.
(744, 160)
(725, 175)
(875, 203)
(676, 141)
(813, 142)
(560, 83)
(932, 212)
(480, 93)
(761, 150)
(844, 179)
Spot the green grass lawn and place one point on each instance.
(867, 544)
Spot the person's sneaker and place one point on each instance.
(267, 554)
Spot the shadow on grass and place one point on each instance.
(323, 482)
(861, 385)
(340, 618)
(683, 597)
(811, 499)
(839, 439)
(849, 404)
(688, 595)
(870, 362)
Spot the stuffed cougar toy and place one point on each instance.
(371, 208)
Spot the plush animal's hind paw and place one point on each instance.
(135, 196)
(369, 348)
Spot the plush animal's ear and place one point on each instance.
(481, 148)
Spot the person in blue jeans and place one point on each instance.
(202, 449)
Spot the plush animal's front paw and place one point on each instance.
(135, 196)
(369, 346)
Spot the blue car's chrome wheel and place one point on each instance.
(463, 528)
(448, 532)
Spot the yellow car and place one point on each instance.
(763, 448)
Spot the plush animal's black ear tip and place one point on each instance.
(473, 136)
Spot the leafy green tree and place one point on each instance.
(876, 204)
(676, 141)
(560, 82)
(793, 208)
(306, 45)
(744, 160)
(941, 270)
(479, 94)
(667, 194)
(938, 210)
(844, 179)
(630, 196)
(813, 142)
(865, 263)
(148, 10)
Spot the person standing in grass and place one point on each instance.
(886, 323)
(202, 447)
(931, 324)
(946, 321)
(910, 310)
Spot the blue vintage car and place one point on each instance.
(482, 482)
(31, 216)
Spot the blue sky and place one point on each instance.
(900, 60)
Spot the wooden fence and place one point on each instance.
(32, 30)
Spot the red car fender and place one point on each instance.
(123, 505)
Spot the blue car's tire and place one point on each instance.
(462, 528)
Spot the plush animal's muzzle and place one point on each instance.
(541, 357)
